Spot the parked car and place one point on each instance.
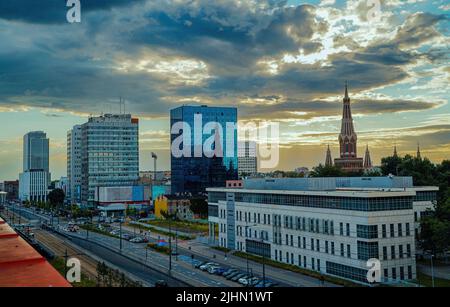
(267, 284)
(215, 270)
(161, 284)
(205, 267)
(229, 276)
(248, 281)
(198, 263)
(239, 276)
(229, 271)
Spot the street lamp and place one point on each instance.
(432, 271)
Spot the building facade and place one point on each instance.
(35, 178)
(74, 165)
(12, 188)
(173, 205)
(348, 160)
(109, 153)
(247, 160)
(193, 171)
(329, 225)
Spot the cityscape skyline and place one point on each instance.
(398, 83)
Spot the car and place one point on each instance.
(267, 284)
(161, 284)
(198, 264)
(220, 271)
(248, 281)
(205, 266)
(215, 269)
(239, 276)
(229, 276)
(228, 272)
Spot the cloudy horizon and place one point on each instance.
(283, 61)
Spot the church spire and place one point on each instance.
(395, 151)
(328, 161)
(367, 160)
(418, 152)
(347, 137)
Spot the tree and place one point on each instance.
(56, 198)
(327, 171)
(199, 206)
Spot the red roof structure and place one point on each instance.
(22, 266)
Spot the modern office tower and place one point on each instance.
(329, 225)
(247, 161)
(34, 181)
(109, 153)
(197, 169)
(74, 165)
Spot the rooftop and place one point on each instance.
(22, 266)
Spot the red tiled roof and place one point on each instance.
(22, 266)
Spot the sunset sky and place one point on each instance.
(284, 61)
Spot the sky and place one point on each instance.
(282, 61)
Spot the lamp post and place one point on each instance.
(432, 272)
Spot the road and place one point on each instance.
(183, 268)
(131, 268)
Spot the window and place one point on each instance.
(292, 240)
(408, 233)
(318, 264)
(326, 247)
(342, 249)
(400, 231)
(409, 272)
(385, 257)
(392, 231)
(312, 244)
(304, 242)
(313, 263)
(400, 251)
(332, 248)
(348, 251)
(367, 250)
(393, 252)
(299, 242)
(304, 261)
(402, 273)
(299, 260)
(394, 273)
(408, 250)
(386, 275)
(332, 228)
(341, 229)
(367, 231)
(317, 245)
(383, 230)
(348, 229)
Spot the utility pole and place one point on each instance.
(65, 263)
(120, 234)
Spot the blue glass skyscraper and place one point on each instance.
(193, 173)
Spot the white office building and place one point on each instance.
(109, 153)
(329, 225)
(247, 160)
(74, 165)
(34, 181)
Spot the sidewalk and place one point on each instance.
(442, 272)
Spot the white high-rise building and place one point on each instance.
(74, 164)
(109, 153)
(247, 161)
(33, 182)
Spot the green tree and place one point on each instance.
(199, 205)
(56, 198)
(327, 171)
